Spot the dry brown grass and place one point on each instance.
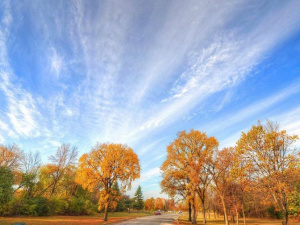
(183, 220)
(70, 220)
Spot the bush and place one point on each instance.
(273, 213)
(58, 206)
(79, 206)
(38, 206)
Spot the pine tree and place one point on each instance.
(116, 187)
(139, 199)
(116, 197)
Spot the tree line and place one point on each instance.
(259, 176)
(65, 185)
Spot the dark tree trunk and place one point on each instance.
(106, 212)
(286, 217)
(203, 210)
(194, 221)
(190, 212)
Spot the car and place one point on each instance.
(180, 212)
(157, 213)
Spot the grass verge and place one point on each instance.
(183, 220)
(70, 220)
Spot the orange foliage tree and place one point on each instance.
(149, 204)
(268, 154)
(187, 163)
(10, 156)
(104, 165)
(159, 204)
(221, 171)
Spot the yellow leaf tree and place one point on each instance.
(149, 204)
(188, 159)
(104, 165)
(268, 155)
(10, 156)
(159, 204)
(221, 172)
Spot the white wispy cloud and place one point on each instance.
(253, 109)
(20, 110)
(147, 176)
(125, 72)
(289, 121)
(158, 157)
(56, 62)
(217, 59)
(150, 146)
(225, 63)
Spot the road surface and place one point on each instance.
(165, 219)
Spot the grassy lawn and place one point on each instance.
(183, 220)
(68, 220)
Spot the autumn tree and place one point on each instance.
(159, 204)
(106, 164)
(10, 156)
(174, 184)
(52, 174)
(149, 204)
(170, 204)
(220, 170)
(30, 164)
(268, 155)
(188, 159)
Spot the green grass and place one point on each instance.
(69, 220)
(183, 220)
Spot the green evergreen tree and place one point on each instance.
(116, 187)
(6, 187)
(139, 199)
(120, 206)
(6, 183)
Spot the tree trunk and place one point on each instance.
(203, 210)
(106, 212)
(194, 221)
(232, 217)
(244, 217)
(208, 213)
(225, 211)
(237, 216)
(286, 217)
(190, 212)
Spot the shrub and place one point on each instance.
(38, 206)
(273, 213)
(58, 206)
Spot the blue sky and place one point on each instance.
(137, 72)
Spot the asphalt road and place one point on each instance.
(165, 219)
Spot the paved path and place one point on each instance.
(165, 219)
